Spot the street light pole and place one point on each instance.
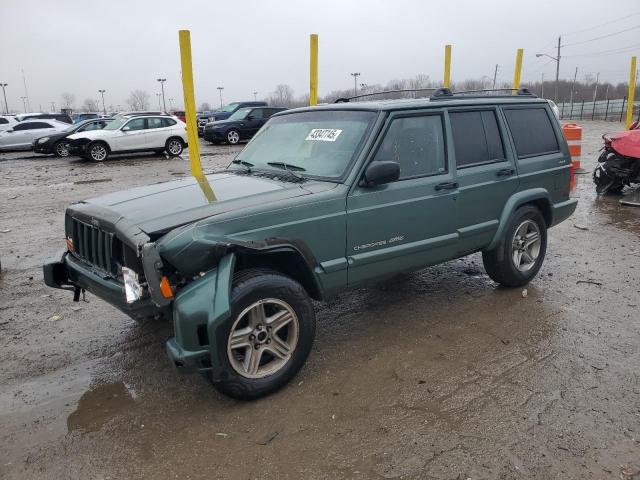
(53, 107)
(220, 90)
(162, 80)
(104, 108)
(255, 95)
(171, 103)
(24, 104)
(495, 76)
(355, 76)
(159, 95)
(6, 106)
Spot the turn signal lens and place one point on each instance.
(70, 244)
(165, 288)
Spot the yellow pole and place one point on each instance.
(313, 71)
(447, 66)
(632, 91)
(518, 71)
(189, 102)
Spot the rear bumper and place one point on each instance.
(563, 210)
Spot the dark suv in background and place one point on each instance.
(242, 125)
(224, 113)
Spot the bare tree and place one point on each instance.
(68, 99)
(91, 105)
(138, 100)
(282, 96)
(205, 107)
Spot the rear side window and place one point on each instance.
(168, 122)
(476, 138)
(417, 144)
(532, 131)
(3, 121)
(257, 113)
(153, 122)
(32, 126)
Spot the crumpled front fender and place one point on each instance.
(199, 310)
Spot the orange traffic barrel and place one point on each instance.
(573, 135)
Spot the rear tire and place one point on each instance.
(174, 146)
(97, 151)
(519, 256)
(261, 302)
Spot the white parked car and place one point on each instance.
(130, 134)
(21, 135)
(7, 122)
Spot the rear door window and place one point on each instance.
(476, 138)
(417, 144)
(532, 131)
(154, 122)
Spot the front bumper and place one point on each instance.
(67, 272)
(45, 147)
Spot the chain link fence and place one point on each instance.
(613, 110)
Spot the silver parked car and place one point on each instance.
(21, 135)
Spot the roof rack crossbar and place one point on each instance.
(445, 93)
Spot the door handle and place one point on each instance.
(505, 172)
(446, 186)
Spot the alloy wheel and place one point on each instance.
(174, 147)
(98, 153)
(525, 246)
(263, 338)
(62, 149)
(233, 137)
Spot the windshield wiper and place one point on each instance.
(288, 166)
(248, 165)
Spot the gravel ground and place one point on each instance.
(438, 374)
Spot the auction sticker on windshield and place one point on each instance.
(324, 134)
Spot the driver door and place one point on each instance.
(409, 223)
(132, 136)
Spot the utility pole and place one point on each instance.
(6, 106)
(355, 76)
(542, 86)
(164, 104)
(557, 72)
(53, 107)
(495, 76)
(255, 96)
(595, 90)
(104, 108)
(575, 75)
(159, 105)
(26, 93)
(24, 104)
(220, 90)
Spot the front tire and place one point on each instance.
(61, 149)
(174, 147)
(97, 151)
(521, 252)
(268, 336)
(233, 137)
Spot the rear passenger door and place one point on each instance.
(486, 174)
(409, 223)
(156, 134)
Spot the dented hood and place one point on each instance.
(164, 206)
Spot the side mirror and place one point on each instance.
(126, 128)
(378, 173)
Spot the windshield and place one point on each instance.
(229, 108)
(240, 114)
(116, 124)
(317, 143)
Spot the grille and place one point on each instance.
(94, 246)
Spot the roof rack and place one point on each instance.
(347, 99)
(446, 94)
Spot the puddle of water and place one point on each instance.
(99, 405)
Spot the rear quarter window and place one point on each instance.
(532, 131)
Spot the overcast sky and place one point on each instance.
(80, 46)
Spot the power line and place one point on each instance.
(613, 51)
(601, 24)
(602, 36)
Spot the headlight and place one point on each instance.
(43, 140)
(132, 288)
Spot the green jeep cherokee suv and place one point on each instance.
(322, 199)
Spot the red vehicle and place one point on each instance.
(619, 163)
(180, 114)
